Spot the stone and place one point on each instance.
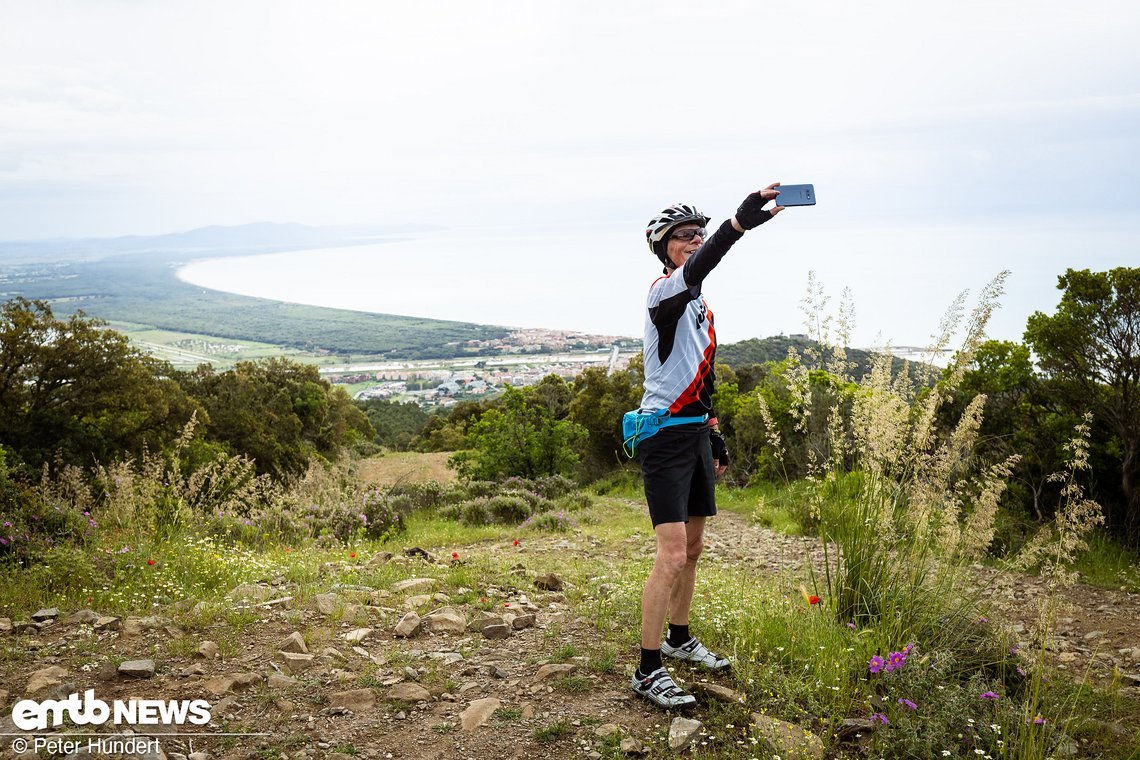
(683, 732)
(548, 582)
(137, 669)
(281, 681)
(407, 692)
(606, 730)
(633, 746)
(328, 604)
(413, 584)
(482, 618)
(357, 700)
(294, 642)
(523, 621)
(446, 620)
(85, 617)
(44, 679)
(380, 558)
(496, 672)
(208, 650)
(295, 662)
(250, 591)
(224, 684)
(496, 631)
(3, 698)
(554, 670)
(357, 635)
(5, 625)
(107, 623)
(478, 713)
(42, 616)
(717, 692)
(409, 626)
(415, 602)
(788, 740)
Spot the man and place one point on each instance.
(677, 462)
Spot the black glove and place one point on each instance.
(751, 213)
(719, 449)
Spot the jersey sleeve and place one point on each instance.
(701, 263)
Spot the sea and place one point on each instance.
(901, 281)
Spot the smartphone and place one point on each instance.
(796, 195)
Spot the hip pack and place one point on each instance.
(637, 425)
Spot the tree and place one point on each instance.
(74, 391)
(278, 412)
(518, 438)
(1091, 346)
(396, 424)
(600, 400)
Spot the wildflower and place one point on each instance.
(1038, 720)
(352, 555)
(982, 619)
(3, 541)
(7, 524)
(879, 718)
(990, 695)
(455, 555)
(482, 600)
(876, 664)
(516, 542)
(851, 626)
(1020, 670)
(1014, 650)
(150, 561)
(363, 518)
(895, 661)
(907, 703)
(813, 599)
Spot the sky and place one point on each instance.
(946, 141)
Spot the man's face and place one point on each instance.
(680, 250)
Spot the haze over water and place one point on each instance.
(594, 279)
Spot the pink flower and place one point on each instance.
(876, 664)
(879, 718)
(851, 626)
(895, 661)
(990, 695)
(907, 703)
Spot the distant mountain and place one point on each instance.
(217, 240)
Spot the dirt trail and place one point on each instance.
(334, 705)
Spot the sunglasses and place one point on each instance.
(689, 234)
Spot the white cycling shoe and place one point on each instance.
(694, 651)
(658, 687)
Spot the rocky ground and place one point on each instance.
(405, 672)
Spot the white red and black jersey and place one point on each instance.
(680, 342)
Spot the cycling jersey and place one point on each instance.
(680, 342)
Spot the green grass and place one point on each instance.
(552, 733)
(1110, 564)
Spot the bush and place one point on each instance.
(559, 522)
(508, 510)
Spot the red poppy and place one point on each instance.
(516, 543)
(813, 599)
(455, 555)
(150, 561)
(352, 555)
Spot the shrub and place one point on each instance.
(559, 522)
(508, 509)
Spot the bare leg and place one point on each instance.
(681, 596)
(667, 568)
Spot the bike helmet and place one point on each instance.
(657, 233)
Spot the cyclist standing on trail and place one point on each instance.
(685, 454)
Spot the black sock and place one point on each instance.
(650, 661)
(678, 635)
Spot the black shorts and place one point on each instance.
(679, 473)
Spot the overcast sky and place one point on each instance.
(1012, 125)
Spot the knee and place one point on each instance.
(693, 551)
(671, 560)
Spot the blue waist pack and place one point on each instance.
(637, 425)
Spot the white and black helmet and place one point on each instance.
(657, 232)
